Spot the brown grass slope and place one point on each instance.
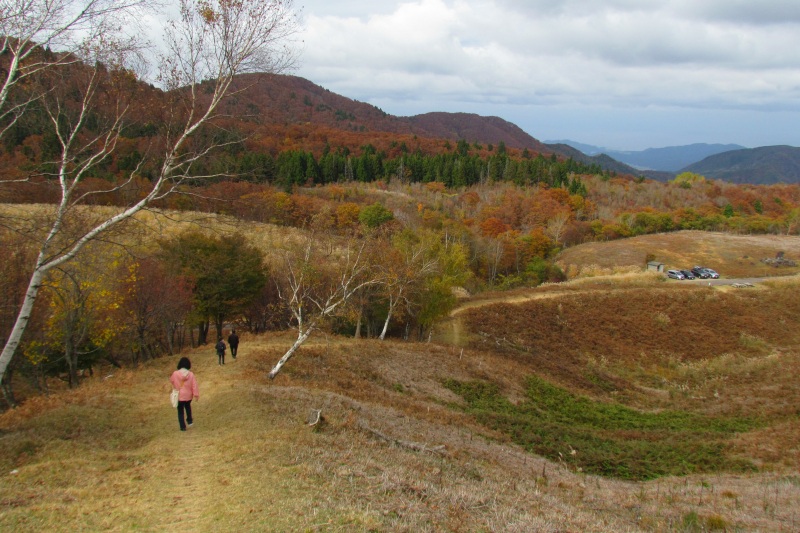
(669, 339)
(109, 456)
(733, 256)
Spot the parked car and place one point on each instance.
(704, 273)
(675, 274)
(687, 274)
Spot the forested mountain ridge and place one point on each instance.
(291, 100)
(275, 113)
(299, 114)
(470, 126)
(285, 131)
(765, 165)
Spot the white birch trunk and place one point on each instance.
(24, 315)
(386, 324)
(310, 304)
(301, 338)
(392, 304)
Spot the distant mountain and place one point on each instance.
(291, 100)
(668, 159)
(587, 149)
(606, 162)
(672, 158)
(765, 165)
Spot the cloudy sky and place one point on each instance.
(622, 74)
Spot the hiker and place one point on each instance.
(221, 351)
(233, 342)
(184, 382)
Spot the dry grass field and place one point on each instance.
(733, 256)
(109, 457)
(510, 420)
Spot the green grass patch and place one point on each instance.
(606, 438)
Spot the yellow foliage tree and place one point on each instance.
(687, 179)
(82, 319)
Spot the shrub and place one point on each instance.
(375, 215)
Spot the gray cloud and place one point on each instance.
(620, 54)
(743, 12)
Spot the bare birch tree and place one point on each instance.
(317, 280)
(211, 41)
(557, 225)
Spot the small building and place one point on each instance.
(655, 266)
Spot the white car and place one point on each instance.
(675, 274)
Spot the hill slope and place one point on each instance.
(470, 127)
(110, 456)
(290, 99)
(733, 256)
(438, 436)
(765, 165)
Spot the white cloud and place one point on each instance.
(627, 54)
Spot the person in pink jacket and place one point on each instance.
(184, 381)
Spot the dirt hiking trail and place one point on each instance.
(201, 474)
(189, 473)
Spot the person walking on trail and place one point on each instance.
(221, 351)
(233, 342)
(184, 382)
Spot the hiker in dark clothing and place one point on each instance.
(221, 351)
(233, 342)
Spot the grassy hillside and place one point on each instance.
(733, 256)
(528, 412)
(109, 456)
(730, 356)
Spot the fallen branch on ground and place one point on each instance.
(403, 443)
(314, 417)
